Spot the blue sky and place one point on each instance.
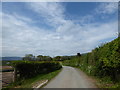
(51, 28)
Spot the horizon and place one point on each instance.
(57, 29)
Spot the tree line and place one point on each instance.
(31, 57)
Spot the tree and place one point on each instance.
(29, 57)
(39, 57)
(78, 54)
(57, 58)
(45, 58)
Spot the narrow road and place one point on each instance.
(71, 77)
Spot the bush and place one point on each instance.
(102, 61)
(27, 69)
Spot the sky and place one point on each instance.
(57, 28)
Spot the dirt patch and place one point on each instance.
(7, 77)
(6, 67)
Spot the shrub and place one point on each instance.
(102, 61)
(27, 69)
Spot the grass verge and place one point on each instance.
(105, 82)
(30, 83)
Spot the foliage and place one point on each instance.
(29, 57)
(43, 58)
(102, 61)
(78, 54)
(30, 82)
(28, 69)
(5, 63)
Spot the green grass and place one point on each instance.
(29, 83)
(106, 82)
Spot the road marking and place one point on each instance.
(41, 85)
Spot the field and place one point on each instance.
(40, 72)
(7, 77)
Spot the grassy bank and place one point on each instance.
(32, 82)
(102, 82)
(102, 62)
(106, 82)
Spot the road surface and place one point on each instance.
(71, 77)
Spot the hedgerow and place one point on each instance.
(102, 61)
(27, 69)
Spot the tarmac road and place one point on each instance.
(71, 77)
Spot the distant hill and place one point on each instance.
(11, 58)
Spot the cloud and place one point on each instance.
(65, 38)
(53, 12)
(107, 8)
(88, 35)
(18, 35)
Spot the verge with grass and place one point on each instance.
(103, 63)
(32, 82)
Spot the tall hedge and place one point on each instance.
(102, 61)
(27, 69)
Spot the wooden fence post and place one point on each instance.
(14, 75)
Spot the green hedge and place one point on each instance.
(27, 69)
(102, 61)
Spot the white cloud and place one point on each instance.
(82, 37)
(52, 12)
(107, 8)
(20, 38)
(18, 35)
